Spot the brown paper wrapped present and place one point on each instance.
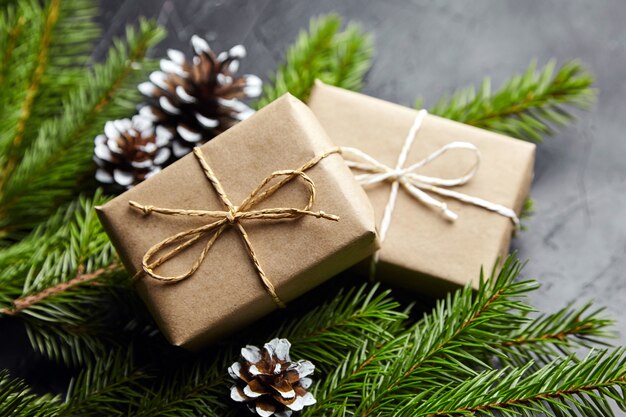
(246, 260)
(458, 190)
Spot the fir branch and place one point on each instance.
(564, 387)
(463, 320)
(27, 302)
(17, 400)
(337, 58)
(68, 314)
(191, 389)
(57, 162)
(574, 327)
(47, 69)
(352, 59)
(307, 56)
(328, 332)
(8, 39)
(526, 106)
(528, 209)
(445, 336)
(109, 386)
(52, 14)
(71, 46)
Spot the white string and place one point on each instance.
(418, 185)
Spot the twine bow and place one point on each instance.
(231, 217)
(418, 185)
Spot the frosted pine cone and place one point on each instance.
(130, 151)
(198, 99)
(269, 383)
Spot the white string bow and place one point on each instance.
(417, 185)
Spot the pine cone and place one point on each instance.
(197, 99)
(130, 151)
(269, 382)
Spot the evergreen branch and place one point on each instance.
(68, 315)
(70, 49)
(338, 58)
(328, 332)
(28, 302)
(47, 61)
(70, 244)
(556, 389)
(566, 326)
(468, 320)
(527, 105)
(353, 56)
(191, 389)
(55, 165)
(550, 336)
(109, 386)
(52, 15)
(12, 34)
(17, 400)
(528, 209)
(453, 329)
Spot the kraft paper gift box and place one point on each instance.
(422, 249)
(227, 292)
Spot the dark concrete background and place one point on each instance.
(576, 241)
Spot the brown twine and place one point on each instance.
(230, 218)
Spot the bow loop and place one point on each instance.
(180, 242)
(265, 189)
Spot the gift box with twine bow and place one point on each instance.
(243, 225)
(446, 195)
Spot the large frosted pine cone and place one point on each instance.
(269, 383)
(198, 98)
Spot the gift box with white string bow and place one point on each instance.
(447, 196)
(243, 225)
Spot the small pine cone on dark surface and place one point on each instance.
(198, 99)
(129, 151)
(269, 383)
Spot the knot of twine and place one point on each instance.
(231, 217)
(418, 185)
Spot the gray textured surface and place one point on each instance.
(576, 241)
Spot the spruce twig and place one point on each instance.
(564, 387)
(462, 336)
(526, 106)
(54, 166)
(17, 400)
(42, 60)
(47, 280)
(47, 61)
(27, 302)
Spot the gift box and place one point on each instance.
(458, 189)
(251, 220)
